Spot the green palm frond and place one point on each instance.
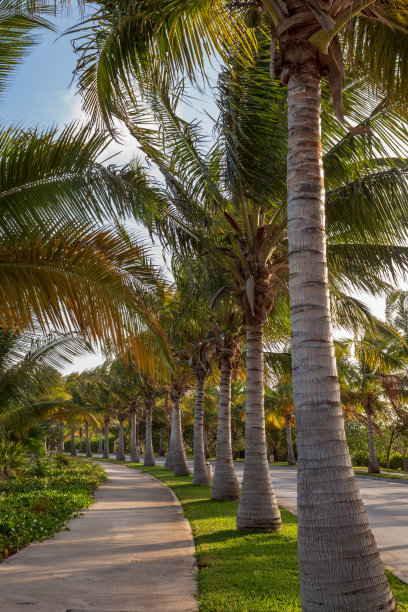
(19, 22)
(46, 176)
(123, 43)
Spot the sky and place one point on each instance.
(41, 93)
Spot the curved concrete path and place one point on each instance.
(132, 551)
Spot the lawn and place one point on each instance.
(37, 502)
(241, 571)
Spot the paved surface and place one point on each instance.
(130, 552)
(386, 503)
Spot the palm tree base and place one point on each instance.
(181, 471)
(120, 457)
(373, 469)
(149, 462)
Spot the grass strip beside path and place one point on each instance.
(242, 571)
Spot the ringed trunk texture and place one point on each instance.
(200, 474)
(100, 447)
(225, 483)
(73, 449)
(120, 455)
(340, 567)
(179, 454)
(134, 455)
(373, 465)
(149, 454)
(80, 441)
(169, 463)
(87, 442)
(258, 508)
(291, 454)
(106, 440)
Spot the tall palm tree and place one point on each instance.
(228, 331)
(309, 48)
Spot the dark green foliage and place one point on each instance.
(37, 503)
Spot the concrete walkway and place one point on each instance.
(131, 552)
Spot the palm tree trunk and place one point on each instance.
(80, 441)
(373, 465)
(106, 440)
(61, 438)
(149, 454)
(179, 454)
(206, 449)
(120, 455)
(100, 443)
(258, 508)
(87, 442)
(169, 463)
(73, 449)
(200, 474)
(291, 455)
(225, 483)
(340, 568)
(134, 455)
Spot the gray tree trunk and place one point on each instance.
(61, 438)
(120, 455)
(258, 508)
(100, 446)
(179, 454)
(373, 465)
(200, 474)
(169, 463)
(340, 567)
(134, 455)
(291, 454)
(106, 440)
(73, 449)
(149, 453)
(225, 483)
(80, 441)
(87, 442)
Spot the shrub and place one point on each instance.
(360, 459)
(396, 462)
(34, 507)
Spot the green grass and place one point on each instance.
(242, 571)
(38, 501)
(360, 472)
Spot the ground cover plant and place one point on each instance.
(38, 500)
(240, 570)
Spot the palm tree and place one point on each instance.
(228, 331)
(309, 48)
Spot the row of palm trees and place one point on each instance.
(244, 229)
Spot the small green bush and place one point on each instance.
(396, 462)
(34, 504)
(360, 459)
